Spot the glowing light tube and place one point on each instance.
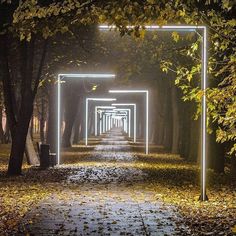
(84, 76)
(95, 118)
(146, 93)
(129, 118)
(86, 113)
(186, 28)
(135, 115)
(81, 76)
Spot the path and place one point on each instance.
(102, 199)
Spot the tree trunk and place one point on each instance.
(52, 119)
(42, 121)
(31, 156)
(7, 134)
(71, 107)
(19, 135)
(2, 137)
(216, 152)
(154, 115)
(175, 120)
(19, 120)
(77, 123)
(233, 167)
(167, 139)
(161, 112)
(32, 130)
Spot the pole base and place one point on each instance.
(202, 199)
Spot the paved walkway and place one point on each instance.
(103, 200)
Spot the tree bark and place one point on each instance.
(216, 152)
(71, 108)
(175, 120)
(77, 123)
(30, 153)
(233, 167)
(52, 119)
(19, 118)
(2, 136)
(42, 121)
(167, 139)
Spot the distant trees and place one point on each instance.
(27, 27)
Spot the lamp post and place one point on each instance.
(204, 80)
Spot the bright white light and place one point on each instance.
(129, 122)
(203, 196)
(186, 28)
(157, 27)
(81, 75)
(147, 110)
(95, 118)
(135, 115)
(105, 107)
(101, 99)
(127, 91)
(86, 113)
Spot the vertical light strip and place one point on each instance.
(135, 122)
(96, 121)
(58, 119)
(204, 114)
(106, 123)
(100, 123)
(128, 119)
(103, 123)
(187, 28)
(129, 123)
(147, 122)
(86, 121)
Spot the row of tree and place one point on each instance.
(33, 52)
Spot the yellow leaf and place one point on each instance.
(233, 229)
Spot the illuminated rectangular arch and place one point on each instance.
(187, 28)
(77, 76)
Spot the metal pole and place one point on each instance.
(203, 196)
(96, 121)
(58, 119)
(86, 122)
(129, 123)
(147, 121)
(135, 121)
(100, 123)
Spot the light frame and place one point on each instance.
(129, 119)
(204, 82)
(78, 76)
(135, 114)
(86, 112)
(146, 93)
(96, 111)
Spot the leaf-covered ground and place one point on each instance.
(127, 191)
